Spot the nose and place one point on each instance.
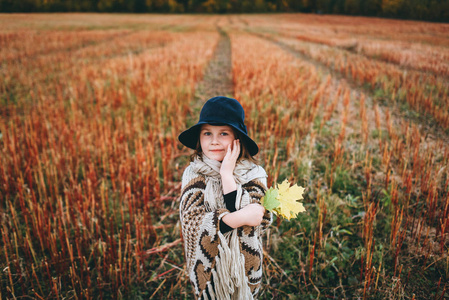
(215, 139)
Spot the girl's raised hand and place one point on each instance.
(230, 159)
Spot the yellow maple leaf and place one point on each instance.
(288, 197)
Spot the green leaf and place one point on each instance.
(269, 201)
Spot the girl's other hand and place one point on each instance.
(230, 159)
(253, 214)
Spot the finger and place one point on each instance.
(229, 151)
(237, 148)
(234, 146)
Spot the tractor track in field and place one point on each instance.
(217, 79)
(431, 128)
(352, 50)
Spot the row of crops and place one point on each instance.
(91, 107)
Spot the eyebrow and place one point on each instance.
(209, 128)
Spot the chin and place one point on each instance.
(215, 157)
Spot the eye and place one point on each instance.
(224, 133)
(206, 133)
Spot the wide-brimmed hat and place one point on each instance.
(220, 111)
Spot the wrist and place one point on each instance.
(228, 183)
(233, 219)
(226, 174)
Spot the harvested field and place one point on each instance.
(356, 110)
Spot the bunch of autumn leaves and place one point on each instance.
(282, 200)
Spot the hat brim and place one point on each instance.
(189, 137)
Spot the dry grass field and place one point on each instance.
(354, 109)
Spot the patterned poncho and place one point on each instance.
(221, 266)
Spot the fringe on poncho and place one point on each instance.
(221, 266)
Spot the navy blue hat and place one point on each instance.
(220, 111)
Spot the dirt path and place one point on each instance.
(217, 80)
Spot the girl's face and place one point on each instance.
(215, 140)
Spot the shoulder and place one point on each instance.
(258, 179)
(262, 170)
(188, 173)
(190, 177)
(262, 178)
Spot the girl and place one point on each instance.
(221, 218)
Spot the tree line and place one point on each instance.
(430, 10)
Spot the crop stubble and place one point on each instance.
(90, 164)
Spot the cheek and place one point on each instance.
(204, 141)
(228, 141)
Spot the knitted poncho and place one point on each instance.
(221, 266)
